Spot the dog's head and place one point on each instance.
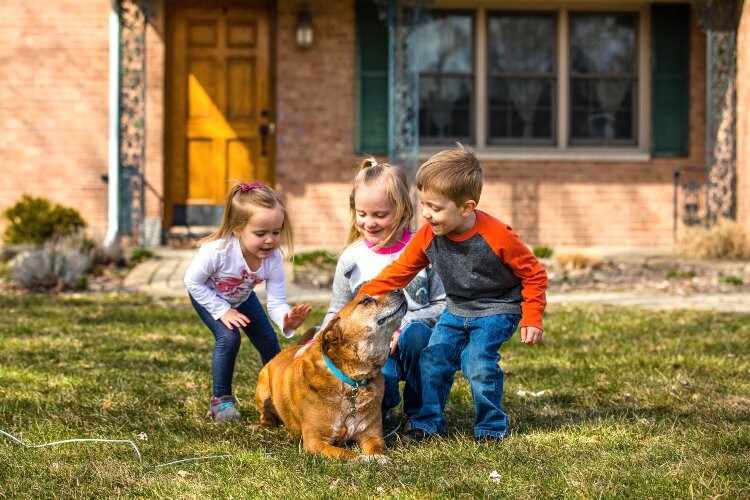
(359, 335)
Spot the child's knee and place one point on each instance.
(415, 337)
(229, 340)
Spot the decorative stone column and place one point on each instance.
(133, 22)
(719, 19)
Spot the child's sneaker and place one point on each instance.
(224, 409)
(414, 435)
(407, 426)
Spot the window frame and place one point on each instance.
(561, 149)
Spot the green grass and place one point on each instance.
(638, 404)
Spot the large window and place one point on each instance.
(561, 80)
(521, 62)
(446, 78)
(603, 78)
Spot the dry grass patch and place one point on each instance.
(571, 261)
(725, 240)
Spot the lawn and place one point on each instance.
(616, 403)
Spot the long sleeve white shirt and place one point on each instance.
(219, 278)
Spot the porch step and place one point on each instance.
(186, 236)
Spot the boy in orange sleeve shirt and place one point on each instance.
(492, 282)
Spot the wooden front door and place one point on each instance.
(218, 109)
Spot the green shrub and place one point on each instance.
(139, 255)
(6, 271)
(543, 252)
(730, 279)
(680, 274)
(35, 220)
(319, 257)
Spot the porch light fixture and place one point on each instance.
(304, 29)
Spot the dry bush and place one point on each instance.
(110, 254)
(59, 263)
(725, 240)
(578, 261)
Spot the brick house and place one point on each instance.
(139, 114)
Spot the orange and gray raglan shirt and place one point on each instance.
(486, 271)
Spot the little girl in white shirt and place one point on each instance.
(241, 253)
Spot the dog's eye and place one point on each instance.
(366, 300)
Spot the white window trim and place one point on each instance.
(562, 151)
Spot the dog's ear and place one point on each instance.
(332, 332)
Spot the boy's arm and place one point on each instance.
(527, 267)
(400, 272)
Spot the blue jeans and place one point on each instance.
(259, 331)
(470, 344)
(404, 365)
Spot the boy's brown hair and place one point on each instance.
(453, 173)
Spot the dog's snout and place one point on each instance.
(398, 291)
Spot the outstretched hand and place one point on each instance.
(531, 334)
(294, 318)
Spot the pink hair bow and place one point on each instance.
(248, 187)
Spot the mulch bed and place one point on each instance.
(671, 275)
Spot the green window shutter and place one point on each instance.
(670, 35)
(372, 79)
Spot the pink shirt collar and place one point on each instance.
(393, 248)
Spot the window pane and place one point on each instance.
(603, 43)
(445, 108)
(521, 78)
(521, 109)
(604, 78)
(602, 111)
(445, 43)
(521, 43)
(446, 78)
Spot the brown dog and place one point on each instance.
(308, 396)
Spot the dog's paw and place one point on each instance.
(381, 459)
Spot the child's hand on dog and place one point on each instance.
(394, 340)
(294, 318)
(531, 334)
(234, 318)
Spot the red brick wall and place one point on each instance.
(627, 204)
(743, 117)
(155, 68)
(54, 64)
(315, 120)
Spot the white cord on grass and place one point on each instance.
(211, 457)
(123, 441)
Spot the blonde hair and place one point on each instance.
(453, 173)
(396, 190)
(239, 203)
